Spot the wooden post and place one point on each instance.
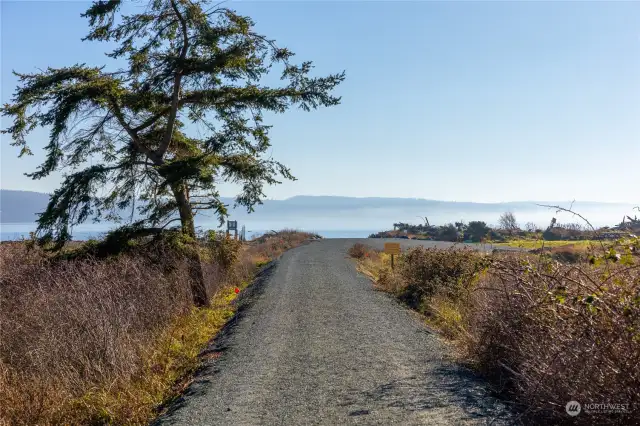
(392, 261)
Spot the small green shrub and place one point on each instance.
(224, 250)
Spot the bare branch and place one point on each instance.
(595, 231)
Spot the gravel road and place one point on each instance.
(314, 344)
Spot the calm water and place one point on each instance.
(17, 231)
(360, 223)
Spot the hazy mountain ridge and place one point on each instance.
(23, 206)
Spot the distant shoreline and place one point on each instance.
(84, 235)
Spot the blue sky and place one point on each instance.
(465, 101)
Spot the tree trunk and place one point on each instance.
(198, 287)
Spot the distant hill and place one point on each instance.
(334, 212)
(24, 206)
(21, 206)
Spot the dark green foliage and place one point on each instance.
(550, 235)
(477, 230)
(496, 236)
(448, 232)
(126, 239)
(187, 64)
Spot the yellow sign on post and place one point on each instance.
(392, 248)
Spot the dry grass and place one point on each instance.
(107, 341)
(543, 332)
(537, 244)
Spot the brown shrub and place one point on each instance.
(71, 327)
(553, 333)
(569, 253)
(427, 271)
(68, 326)
(390, 281)
(358, 251)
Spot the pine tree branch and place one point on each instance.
(175, 98)
(150, 121)
(135, 140)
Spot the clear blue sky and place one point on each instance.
(473, 101)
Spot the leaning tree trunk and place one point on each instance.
(198, 287)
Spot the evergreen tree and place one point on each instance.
(477, 230)
(186, 64)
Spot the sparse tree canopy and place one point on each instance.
(508, 222)
(188, 67)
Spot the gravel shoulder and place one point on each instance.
(315, 344)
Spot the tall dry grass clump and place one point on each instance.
(105, 341)
(70, 326)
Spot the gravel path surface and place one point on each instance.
(315, 344)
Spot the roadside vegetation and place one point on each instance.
(542, 331)
(85, 340)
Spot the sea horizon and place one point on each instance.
(19, 231)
